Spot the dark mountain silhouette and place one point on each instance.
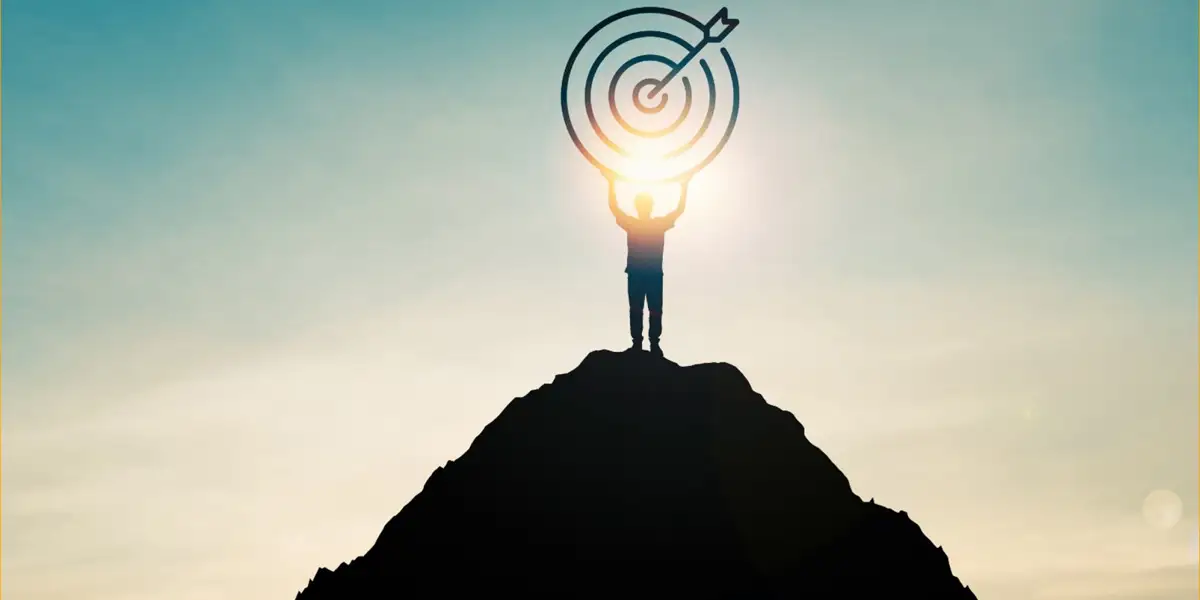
(634, 477)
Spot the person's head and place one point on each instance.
(644, 203)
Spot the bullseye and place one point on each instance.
(651, 95)
(637, 100)
(637, 97)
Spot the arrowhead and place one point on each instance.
(719, 26)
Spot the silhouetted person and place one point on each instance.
(643, 264)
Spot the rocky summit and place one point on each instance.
(634, 477)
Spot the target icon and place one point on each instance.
(648, 97)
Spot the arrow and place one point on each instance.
(715, 31)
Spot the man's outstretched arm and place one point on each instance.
(622, 218)
(671, 216)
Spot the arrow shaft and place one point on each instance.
(678, 67)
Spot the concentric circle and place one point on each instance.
(686, 138)
(637, 100)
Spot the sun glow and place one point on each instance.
(645, 161)
(710, 193)
(723, 203)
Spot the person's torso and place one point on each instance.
(645, 242)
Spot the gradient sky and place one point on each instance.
(270, 263)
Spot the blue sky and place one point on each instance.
(268, 264)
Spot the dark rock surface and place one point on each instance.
(631, 476)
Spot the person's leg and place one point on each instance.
(637, 295)
(654, 298)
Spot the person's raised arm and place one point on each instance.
(622, 218)
(682, 202)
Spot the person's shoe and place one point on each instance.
(655, 349)
(636, 347)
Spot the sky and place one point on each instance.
(268, 264)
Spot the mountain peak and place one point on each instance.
(634, 476)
